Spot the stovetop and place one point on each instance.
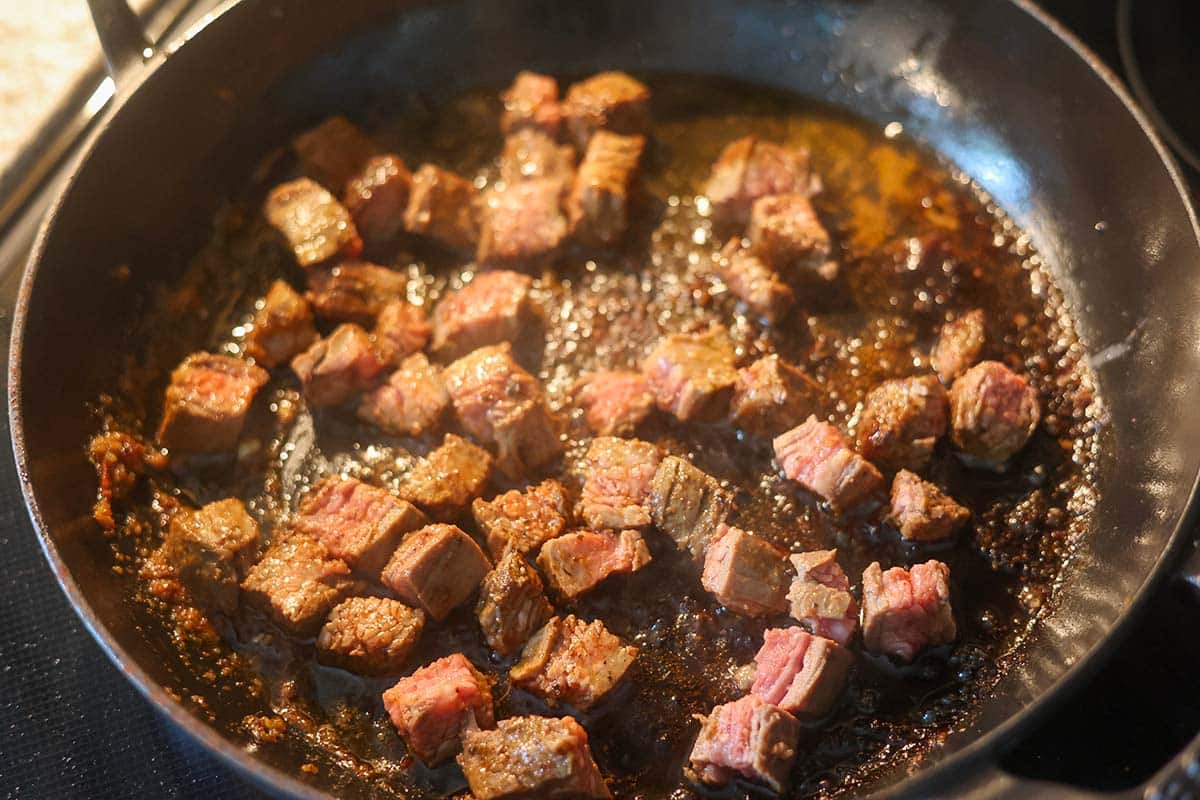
(72, 727)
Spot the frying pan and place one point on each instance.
(994, 86)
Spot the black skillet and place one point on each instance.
(992, 85)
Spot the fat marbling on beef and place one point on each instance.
(512, 605)
(411, 401)
(522, 520)
(993, 412)
(206, 402)
(618, 475)
(571, 661)
(437, 568)
(746, 573)
(338, 367)
(901, 421)
(905, 611)
(376, 197)
(435, 706)
(531, 757)
(576, 562)
(688, 504)
(747, 738)
(370, 635)
(315, 225)
(692, 375)
(818, 457)
(609, 101)
(297, 581)
(449, 478)
(281, 328)
(922, 512)
(820, 596)
(800, 673)
(495, 307)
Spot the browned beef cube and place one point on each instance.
(818, 457)
(576, 562)
(531, 103)
(282, 327)
(523, 224)
(370, 635)
(297, 582)
(338, 367)
(785, 230)
(572, 661)
(901, 422)
(412, 401)
(993, 412)
(611, 101)
(316, 226)
(354, 291)
(905, 611)
(748, 169)
(772, 395)
(800, 673)
(598, 205)
(618, 478)
(532, 757)
(746, 573)
(358, 523)
(522, 520)
(958, 347)
(377, 196)
(692, 375)
(614, 402)
(511, 604)
(437, 704)
(491, 309)
(688, 505)
(499, 403)
(401, 329)
(333, 151)
(747, 738)
(442, 207)
(532, 155)
(756, 284)
(209, 550)
(923, 512)
(820, 596)
(206, 403)
(448, 478)
(437, 568)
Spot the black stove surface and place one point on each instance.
(72, 727)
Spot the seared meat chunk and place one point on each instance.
(522, 520)
(358, 523)
(688, 505)
(206, 403)
(493, 308)
(441, 206)
(958, 347)
(611, 101)
(282, 328)
(339, 366)
(772, 395)
(614, 402)
(523, 224)
(785, 231)
(901, 422)
(799, 672)
(354, 291)
(377, 196)
(412, 401)
(531, 757)
(820, 596)
(618, 476)
(923, 512)
(448, 478)
(817, 456)
(316, 226)
(572, 661)
(532, 155)
(598, 205)
(297, 582)
(993, 412)
(531, 102)
(370, 635)
(748, 169)
(401, 329)
(437, 568)
(746, 738)
(333, 151)
(746, 573)
(907, 610)
(575, 562)
(752, 281)
(511, 604)
(435, 706)
(692, 374)
(119, 459)
(208, 551)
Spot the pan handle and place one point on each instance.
(122, 37)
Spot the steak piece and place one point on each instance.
(531, 155)
(205, 405)
(523, 224)
(531, 757)
(339, 366)
(688, 505)
(611, 101)
(576, 562)
(354, 291)
(572, 661)
(817, 456)
(598, 205)
(333, 151)
(370, 635)
(923, 512)
(531, 103)
(377, 196)
(618, 477)
(316, 226)
(692, 374)
(614, 402)
(358, 523)
(522, 520)
(752, 281)
(208, 551)
(772, 395)
(297, 582)
(993, 412)
(441, 206)
(746, 738)
(749, 168)
(493, 308)
(412, 401)
(905, 611)
(901, 422)
(785, 230)
(401, 329)
(437, 568)
(746, 573)
(959, 345)
(282, 328)
(449, 477)
(799, 672)
(435, 706)
(820, 596)
(511, 604)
